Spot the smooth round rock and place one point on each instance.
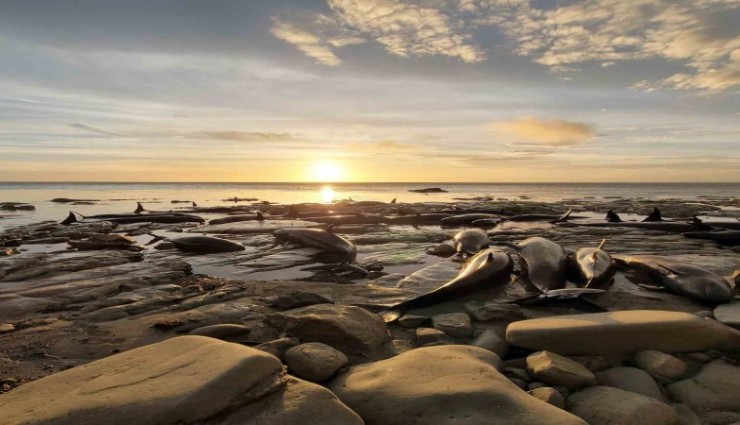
(223, 331)
(630, 379)
(611, 406)
(661, 365)
(558, 370)
(314, 361)
(715, 387)
(456, 325)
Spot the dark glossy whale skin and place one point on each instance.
(467, 218)
(238, 218)
(594, 267)
(425, 218)
(662, 226)
(347, 219)
(206, 244)
(470, 241)
(318, 238)
(543, 263)
(136, 218)
(487, 268)
(728, 237)
(683, 279)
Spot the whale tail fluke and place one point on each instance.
(654, 216)
(71, 218)
(613, 217)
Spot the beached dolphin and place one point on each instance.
(487, 268)
(725, 237)
(200, 244)
(680, 278)
(134, 218)
(428, 190)
(238, 218)
(424, 218)
(470, 241)
(140, 209)
(347, 219)
(541, 217)
(594, 267)
(542, 263)
(318, 238)
(468, 218)
(709, 224)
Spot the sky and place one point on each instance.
(370, 90)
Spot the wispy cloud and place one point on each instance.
(552, 132)
(96, 130)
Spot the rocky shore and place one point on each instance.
(99, 327)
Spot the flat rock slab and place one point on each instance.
(442, 385)
(716, 387)
(729, 314)
(612, 406)
(299, 403)
(622, 332)
(558, 370)
(349, 329)
(181, 380)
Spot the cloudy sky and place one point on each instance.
(381, 90)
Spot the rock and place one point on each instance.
(456, 325)
(494, 311)
(721, 417)
(315, 361)
(612, 406)
(428, 336)
(442, 385)
(592, 363)
(299, 402)
(621, 332)
(298, 299)
(630, 379)
(490, 340)
(349, 329)
(278, 347)
(398, 346)
(558, 370)
(686, 415)
(222, 331)
(729, 314)
(661, 365)
(412, 320)
(549, 395)
(519, 383)
(181, 380)
(164, 245)
(699, 357)
(6, 327)
(715, 387)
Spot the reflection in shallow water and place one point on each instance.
(327, 194)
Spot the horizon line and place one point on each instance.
(364, 182)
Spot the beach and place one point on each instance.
(339, 276)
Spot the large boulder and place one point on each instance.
(715, 387)
(729, 314)
(612, 406)
(298, 403)
(315, 361)
(558, 370)
(442, 385)
(349, 329)
(182, 380)
(622, 332)
(630, 379)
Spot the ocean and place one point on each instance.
(122, 197)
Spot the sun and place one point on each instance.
(325, 172)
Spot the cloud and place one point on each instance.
(553, 132)
(241, 136)
(382, 147)
(310, 44)
(95, 130)
(406, 29)
(403, 28)
(700, 34)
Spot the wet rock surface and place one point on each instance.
(63, 306)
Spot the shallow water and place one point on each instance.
(122, 197)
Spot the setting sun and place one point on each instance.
(325, 171)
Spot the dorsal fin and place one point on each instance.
(613, 217)
(393, 201)
(654, 216)
(71, 218)
(260, 217)
(139, 208)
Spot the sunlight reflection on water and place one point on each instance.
(327, 194)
